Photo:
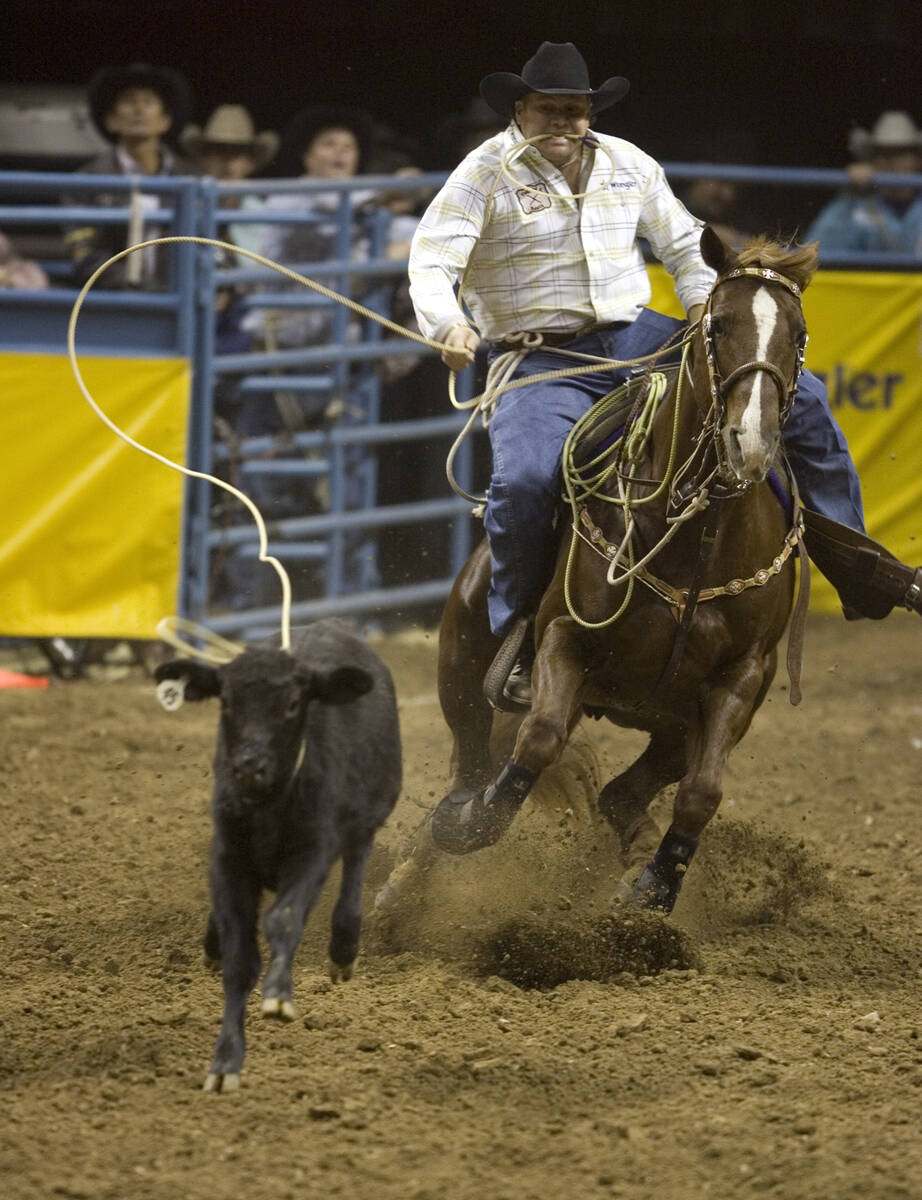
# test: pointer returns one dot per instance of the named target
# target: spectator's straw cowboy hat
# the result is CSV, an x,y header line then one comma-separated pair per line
x,y
230,127
557,68
891,131
107,85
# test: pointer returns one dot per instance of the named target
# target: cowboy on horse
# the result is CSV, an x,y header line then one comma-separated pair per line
x,y
539,227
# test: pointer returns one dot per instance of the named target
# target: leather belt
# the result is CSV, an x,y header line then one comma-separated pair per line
x,y
551,337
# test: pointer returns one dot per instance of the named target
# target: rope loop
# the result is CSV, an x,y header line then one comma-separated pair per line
x,y
264,555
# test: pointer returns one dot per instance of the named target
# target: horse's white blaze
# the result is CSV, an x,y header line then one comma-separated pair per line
x,y
765,312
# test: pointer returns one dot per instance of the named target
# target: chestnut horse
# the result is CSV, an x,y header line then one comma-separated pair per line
x,y
673,628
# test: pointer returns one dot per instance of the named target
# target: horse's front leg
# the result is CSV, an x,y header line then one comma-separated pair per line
x,y
470,819
726,711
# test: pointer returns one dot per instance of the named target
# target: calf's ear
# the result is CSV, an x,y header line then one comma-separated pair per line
x,y
201,680
342,685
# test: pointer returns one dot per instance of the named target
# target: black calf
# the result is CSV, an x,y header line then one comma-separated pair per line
x,y
306,769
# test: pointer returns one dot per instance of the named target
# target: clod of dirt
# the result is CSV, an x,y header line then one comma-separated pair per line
x,y
543,955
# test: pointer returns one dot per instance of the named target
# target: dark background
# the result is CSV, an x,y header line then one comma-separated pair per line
x,y
772,83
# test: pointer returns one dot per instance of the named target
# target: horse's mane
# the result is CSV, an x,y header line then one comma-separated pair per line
x,y
797,262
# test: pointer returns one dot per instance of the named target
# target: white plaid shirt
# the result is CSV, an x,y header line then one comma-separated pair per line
x,y
548,261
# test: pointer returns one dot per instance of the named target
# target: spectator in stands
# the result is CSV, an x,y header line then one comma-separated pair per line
x,y
229,150
322,141
463,132
868,218
393,153
727,205
332,142
18,272
717,201
136,108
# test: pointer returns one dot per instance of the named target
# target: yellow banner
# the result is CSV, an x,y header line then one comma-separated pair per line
x,y
92,528
866,344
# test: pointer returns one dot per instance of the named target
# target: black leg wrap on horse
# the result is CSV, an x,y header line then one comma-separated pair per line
x,y
869,579
467,819
661,880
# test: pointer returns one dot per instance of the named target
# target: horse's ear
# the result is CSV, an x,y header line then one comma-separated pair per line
x,y
715,253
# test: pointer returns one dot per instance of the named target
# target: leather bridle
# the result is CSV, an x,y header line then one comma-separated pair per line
x,y
719,386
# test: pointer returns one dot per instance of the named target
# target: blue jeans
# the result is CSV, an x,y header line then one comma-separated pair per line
x,y
530,426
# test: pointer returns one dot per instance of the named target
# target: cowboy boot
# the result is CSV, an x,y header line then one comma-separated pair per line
x,y
507,683
517,688
870,580
913,598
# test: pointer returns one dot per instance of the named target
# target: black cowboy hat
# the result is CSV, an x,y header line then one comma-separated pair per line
x,y
106,86
557,68
306,124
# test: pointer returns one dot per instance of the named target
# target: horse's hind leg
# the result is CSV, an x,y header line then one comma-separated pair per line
x,y
624,800
466,649
725,714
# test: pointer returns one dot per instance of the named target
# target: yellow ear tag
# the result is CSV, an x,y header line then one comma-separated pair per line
x,y
171,693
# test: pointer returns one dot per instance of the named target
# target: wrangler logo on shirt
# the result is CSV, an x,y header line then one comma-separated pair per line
x,y
529,201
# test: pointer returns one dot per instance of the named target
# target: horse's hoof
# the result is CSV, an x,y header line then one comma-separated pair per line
x,y
461,823
653,892
467,820
624,889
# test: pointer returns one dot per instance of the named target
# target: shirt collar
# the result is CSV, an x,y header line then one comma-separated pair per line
x,y
131,167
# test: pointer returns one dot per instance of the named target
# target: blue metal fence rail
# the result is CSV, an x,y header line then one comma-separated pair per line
x,y
341,452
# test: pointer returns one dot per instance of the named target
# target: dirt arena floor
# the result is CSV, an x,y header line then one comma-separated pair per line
x,y
506,1036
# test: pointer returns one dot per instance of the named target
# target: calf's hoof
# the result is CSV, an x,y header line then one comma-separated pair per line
x,y
217,1082
341,972
275,1006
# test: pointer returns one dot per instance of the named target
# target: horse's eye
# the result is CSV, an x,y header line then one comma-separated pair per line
x,y
718,326
294,706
